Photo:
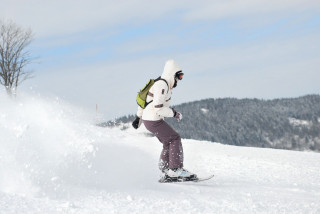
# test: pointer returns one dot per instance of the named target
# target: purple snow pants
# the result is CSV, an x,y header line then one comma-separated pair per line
x,y
172,152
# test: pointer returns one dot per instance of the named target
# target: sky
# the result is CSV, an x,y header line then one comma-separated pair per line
x,y
101,52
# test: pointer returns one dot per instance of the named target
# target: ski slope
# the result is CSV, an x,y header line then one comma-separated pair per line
x,y
54,160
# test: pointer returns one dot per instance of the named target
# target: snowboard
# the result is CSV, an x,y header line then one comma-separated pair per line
x,y
167,179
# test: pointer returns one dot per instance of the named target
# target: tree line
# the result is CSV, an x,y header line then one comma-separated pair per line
x,y
292,123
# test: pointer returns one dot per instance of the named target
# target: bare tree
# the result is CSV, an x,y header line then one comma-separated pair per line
x,y
13,55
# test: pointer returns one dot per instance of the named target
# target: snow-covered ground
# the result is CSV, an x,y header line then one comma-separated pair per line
x,y
54,160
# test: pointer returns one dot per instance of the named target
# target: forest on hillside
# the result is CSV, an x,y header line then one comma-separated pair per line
x,y
291,123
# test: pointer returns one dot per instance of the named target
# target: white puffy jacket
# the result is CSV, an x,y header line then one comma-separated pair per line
x,y
159,108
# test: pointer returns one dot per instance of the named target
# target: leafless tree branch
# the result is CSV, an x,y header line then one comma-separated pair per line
x,y
14,56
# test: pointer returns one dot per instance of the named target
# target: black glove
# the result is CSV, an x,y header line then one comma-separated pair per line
x,y
136,123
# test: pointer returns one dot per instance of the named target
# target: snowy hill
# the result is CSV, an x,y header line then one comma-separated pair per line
x,y
53,160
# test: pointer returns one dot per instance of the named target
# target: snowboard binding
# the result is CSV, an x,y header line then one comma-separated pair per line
x,y
168,179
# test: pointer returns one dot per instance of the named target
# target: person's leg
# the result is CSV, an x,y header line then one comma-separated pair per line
x,y
172,153
175,152
164,158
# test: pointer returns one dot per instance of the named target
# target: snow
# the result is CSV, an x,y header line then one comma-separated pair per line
x,y
204,110
296,122
53,159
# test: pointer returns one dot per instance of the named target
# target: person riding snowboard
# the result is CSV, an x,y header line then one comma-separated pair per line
x,y
158,99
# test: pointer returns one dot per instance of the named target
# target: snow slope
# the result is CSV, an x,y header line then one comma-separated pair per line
x,y
54,160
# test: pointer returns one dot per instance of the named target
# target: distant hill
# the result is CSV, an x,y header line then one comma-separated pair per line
x,y
291,123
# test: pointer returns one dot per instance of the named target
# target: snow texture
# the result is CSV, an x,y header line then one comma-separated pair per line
x,y
53,159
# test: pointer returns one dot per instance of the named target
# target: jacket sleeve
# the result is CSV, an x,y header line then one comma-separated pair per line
x,y
160,91
139,112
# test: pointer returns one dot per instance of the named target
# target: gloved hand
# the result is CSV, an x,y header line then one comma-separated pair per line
x,y
136,123
177,115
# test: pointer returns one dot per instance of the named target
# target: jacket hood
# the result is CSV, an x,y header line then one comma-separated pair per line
x,y
169,71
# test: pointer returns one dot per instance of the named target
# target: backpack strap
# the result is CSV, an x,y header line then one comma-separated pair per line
x,y
151,95
159,78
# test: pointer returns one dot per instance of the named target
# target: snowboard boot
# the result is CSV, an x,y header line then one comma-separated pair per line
x,y
178,175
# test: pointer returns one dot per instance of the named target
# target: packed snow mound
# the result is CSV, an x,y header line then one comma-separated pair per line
x,y
54,159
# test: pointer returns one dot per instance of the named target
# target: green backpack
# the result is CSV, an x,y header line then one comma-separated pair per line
x,y
142,95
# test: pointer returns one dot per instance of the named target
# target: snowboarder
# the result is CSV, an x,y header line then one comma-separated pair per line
x,y
152,116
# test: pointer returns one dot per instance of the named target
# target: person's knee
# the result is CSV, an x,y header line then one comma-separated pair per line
x,y
176,138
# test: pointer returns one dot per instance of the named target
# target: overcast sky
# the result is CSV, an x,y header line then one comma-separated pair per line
x,y
102,52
